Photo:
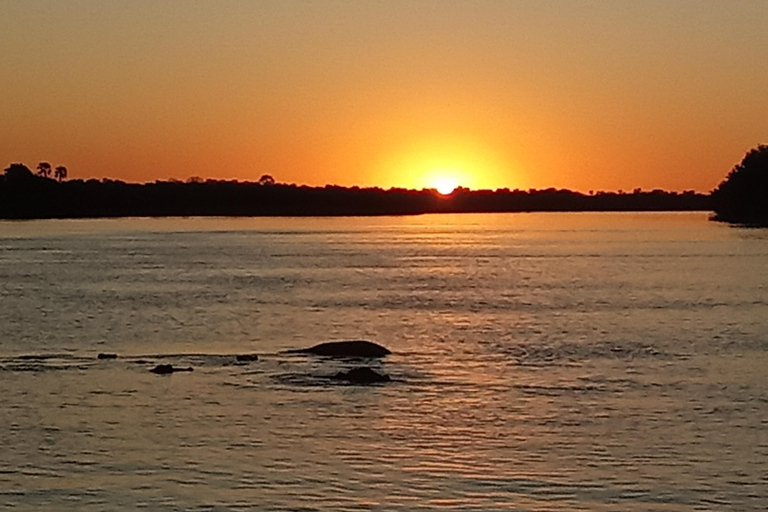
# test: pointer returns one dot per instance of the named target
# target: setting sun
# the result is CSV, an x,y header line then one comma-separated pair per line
x,y
442,161
445,185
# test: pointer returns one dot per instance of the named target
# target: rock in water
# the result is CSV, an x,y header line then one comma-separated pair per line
x,y
164,369
106,356
247,358
362,375
357,348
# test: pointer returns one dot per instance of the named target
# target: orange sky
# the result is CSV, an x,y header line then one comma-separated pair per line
x,y
586,95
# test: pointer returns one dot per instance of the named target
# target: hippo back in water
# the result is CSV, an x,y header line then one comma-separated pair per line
x,y
363,375
356,348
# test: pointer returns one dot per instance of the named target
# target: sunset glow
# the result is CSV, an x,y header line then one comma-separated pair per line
x,y
423,160
609,96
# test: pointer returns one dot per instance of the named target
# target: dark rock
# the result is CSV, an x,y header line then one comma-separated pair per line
x,y
164,369
247,357
358,348
106,356
363,375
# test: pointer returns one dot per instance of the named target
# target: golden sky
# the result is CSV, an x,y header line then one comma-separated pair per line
x,y
586,95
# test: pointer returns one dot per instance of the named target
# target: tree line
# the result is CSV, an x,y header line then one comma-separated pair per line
x,y
742,197
25,195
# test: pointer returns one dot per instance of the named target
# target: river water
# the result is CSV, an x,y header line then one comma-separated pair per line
x,y
540,362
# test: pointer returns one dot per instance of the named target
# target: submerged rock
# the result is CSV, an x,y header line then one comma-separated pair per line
x,y
357,348
247,357
164,369
363,375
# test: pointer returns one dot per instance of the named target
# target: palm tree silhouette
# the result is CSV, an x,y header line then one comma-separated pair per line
x,y
60,173
44,169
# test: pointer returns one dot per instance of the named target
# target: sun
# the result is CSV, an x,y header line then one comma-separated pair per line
x,y
445,165
445,185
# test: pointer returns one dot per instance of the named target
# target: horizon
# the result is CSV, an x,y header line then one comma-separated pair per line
x,y
199,180
484,95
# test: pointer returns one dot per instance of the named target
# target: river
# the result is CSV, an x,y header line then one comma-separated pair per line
x,y
552,361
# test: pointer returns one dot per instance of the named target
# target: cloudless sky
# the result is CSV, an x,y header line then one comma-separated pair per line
x,y
586,95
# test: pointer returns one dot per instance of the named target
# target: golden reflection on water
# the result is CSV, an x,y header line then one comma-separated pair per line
x,y
541,362
534,224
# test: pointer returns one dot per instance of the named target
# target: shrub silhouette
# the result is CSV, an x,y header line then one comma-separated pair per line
x,y
743,196
266,180
18,173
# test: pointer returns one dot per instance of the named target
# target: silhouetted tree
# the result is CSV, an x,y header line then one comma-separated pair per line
x,y
267,180
44,169
17,173
743,196
60,173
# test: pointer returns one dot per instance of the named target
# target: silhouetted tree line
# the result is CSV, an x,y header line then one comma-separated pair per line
x,y
743,196
24,195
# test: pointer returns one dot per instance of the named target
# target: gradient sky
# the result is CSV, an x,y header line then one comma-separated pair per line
x,y
586,95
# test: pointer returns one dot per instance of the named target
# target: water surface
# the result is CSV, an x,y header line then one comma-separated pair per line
x,y
541,362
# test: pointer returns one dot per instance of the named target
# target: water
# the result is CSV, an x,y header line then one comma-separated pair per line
x,y
541,362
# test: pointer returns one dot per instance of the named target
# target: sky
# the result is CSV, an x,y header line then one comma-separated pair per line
x,y
584,95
